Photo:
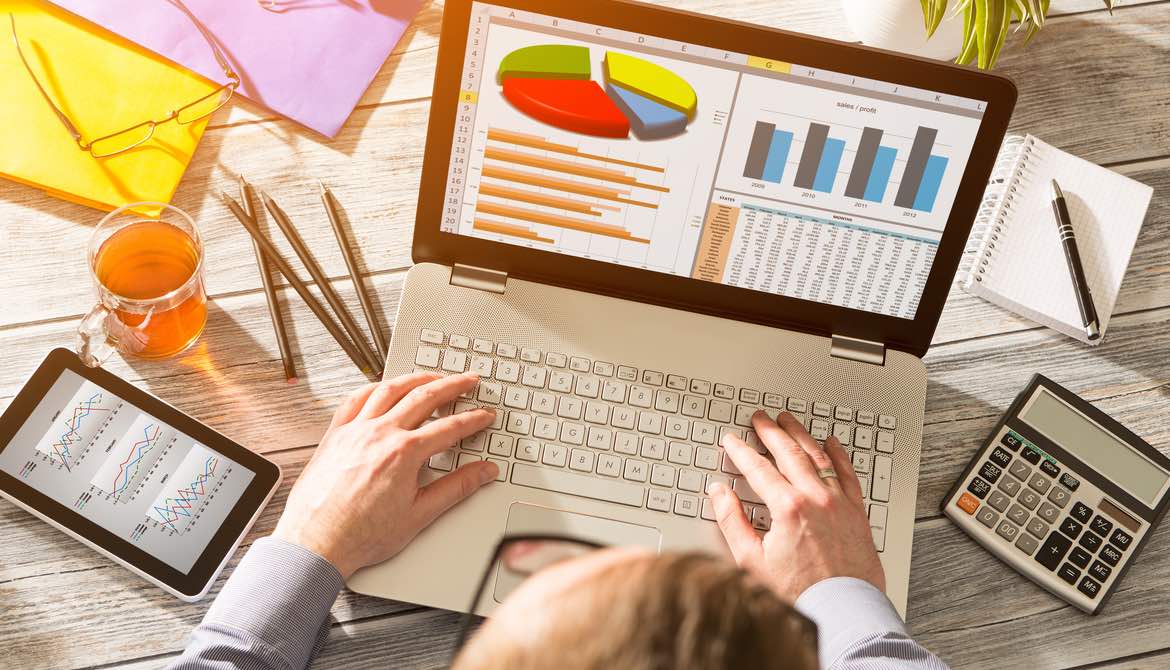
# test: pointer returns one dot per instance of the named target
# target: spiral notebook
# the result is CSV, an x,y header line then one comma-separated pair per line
x,y
1014,258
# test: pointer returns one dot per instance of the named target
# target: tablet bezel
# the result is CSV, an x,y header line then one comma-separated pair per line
x,y
911,335
188,585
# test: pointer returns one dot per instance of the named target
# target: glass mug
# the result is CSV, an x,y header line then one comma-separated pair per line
x,y
148,275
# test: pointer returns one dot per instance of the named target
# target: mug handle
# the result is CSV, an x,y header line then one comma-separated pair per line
x,y
101,333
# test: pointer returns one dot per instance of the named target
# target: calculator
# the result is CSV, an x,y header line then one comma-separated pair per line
x,y
1062,493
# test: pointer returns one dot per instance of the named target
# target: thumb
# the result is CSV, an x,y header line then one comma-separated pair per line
x,y
737,530
444,493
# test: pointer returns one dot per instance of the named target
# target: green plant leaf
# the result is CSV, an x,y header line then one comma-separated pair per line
x,y
969,51
1036,13
1000,31
933,12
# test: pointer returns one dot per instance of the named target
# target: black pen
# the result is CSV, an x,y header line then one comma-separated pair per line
x,y
1081,285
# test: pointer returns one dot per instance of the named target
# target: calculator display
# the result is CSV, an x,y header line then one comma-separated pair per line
x,y
1095,446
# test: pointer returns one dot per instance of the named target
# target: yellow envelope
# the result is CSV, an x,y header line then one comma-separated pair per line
x,y
104,84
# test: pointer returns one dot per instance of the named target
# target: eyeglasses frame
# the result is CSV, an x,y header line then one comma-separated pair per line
x,y
231,86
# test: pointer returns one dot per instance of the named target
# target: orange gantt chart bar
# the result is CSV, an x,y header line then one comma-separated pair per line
x,y
558,221
605,174
508,229
534,142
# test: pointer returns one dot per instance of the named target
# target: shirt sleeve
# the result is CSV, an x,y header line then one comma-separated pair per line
x,y
271,614
859,629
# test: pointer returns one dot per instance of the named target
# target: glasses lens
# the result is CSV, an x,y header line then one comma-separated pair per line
x,y
121,141
205,106
520,559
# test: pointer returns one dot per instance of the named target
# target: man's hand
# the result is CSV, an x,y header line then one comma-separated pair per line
x,y
358,501
819,527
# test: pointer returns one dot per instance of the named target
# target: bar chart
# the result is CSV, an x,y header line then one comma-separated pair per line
x,y
819,167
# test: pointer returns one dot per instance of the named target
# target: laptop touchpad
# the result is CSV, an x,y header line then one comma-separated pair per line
x,y
525,519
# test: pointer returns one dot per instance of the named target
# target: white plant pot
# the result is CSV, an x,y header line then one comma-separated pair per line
x,y
898,25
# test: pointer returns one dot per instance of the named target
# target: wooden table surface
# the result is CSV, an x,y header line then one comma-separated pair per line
x,y
1090,83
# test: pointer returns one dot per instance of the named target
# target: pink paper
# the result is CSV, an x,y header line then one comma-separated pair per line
x,y
310,62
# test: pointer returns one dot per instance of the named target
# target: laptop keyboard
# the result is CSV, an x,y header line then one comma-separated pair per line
x,y
642,438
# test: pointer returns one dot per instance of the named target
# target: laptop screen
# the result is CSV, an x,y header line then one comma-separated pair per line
x,y
723,167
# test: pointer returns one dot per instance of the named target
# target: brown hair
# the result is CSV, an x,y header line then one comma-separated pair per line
x,y
668,612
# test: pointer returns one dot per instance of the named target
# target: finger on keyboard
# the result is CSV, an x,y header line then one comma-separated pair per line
x,y
759,472
388,393
422,400
442,433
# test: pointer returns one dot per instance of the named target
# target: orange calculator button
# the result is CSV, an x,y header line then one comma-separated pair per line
x,y
968,503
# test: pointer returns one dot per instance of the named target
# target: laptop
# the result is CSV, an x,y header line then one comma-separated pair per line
x,y
641,225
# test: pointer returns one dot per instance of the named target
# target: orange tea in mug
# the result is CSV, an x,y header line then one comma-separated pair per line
x,y
148,274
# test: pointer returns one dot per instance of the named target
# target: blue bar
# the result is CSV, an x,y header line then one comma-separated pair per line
x,y
777,156
931,180
879,175
827,169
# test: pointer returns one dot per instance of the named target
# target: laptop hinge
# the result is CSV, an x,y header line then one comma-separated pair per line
x,y
862,351
483,279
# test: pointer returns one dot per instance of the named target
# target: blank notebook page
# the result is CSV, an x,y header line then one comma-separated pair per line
x,y
1028,271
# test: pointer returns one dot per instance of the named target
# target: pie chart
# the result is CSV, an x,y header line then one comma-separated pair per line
x,y
553,84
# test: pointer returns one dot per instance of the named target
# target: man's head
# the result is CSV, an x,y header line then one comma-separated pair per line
x,y
629,609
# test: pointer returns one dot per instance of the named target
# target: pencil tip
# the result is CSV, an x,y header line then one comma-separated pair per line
x,y
324,188
292,380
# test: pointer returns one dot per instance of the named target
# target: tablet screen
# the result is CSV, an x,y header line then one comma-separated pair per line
x,y
126,471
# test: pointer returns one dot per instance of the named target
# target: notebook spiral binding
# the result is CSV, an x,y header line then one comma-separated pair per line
x,y
1007,177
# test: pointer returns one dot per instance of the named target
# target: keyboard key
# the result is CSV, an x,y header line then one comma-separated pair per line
x,y
862,461
588,386
564,481
596,412
573,433
481,366
844,433
703,433
694,407
728,466
519,423
1110,554
819,429
666,401
609,465
482,346
725,391
569,407
686,505
636,470
625,443
654,448
427,357
1082,513
887,422
476,442
1053,550
720,412
797,405
504,350
555,455
658,500
528,450
613,391
578,364
627,373
545,428
459,342
745,491
843,414
599,438
822,409
878,515
690,480
680,453
516,397
508,371
652,378
774,401
1089,587
603,369
990,471
1121,539
863,438
705,458
650,422
662,475
430,336
534,377
700,386
762,519
501,469
444,459
556,360
676,382
743,415
623,417
1079,557
561,382
465,458
866,418
885,442
1027,544
882,472
543,403
1069,573
498,445
582,460
642,397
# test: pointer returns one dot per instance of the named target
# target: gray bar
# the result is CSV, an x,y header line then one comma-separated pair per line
x,y
810,158
915,166
758,153
863,164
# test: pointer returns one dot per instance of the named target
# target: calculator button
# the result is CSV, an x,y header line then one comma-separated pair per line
x,y
1101,525
1049,512
1053,550
1027,544
1069,574
1021,470
1018,514
1110,554
979,488
1001,457
1071,527
1007,531
1090,541
1121,539
1039,482
1049,468
1037,528
1059,496
1079,557
987,516
1010,485
1069,482
1010,441
1081,512
1029,498
968,503
1100,571
1089,587
998,500
1031,455
990,471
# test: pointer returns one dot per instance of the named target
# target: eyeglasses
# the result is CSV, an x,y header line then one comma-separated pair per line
x,y
519,557
132,136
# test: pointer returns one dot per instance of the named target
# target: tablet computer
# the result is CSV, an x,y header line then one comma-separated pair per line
x,y
129,475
